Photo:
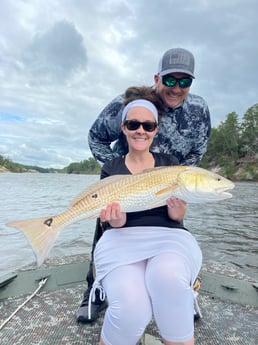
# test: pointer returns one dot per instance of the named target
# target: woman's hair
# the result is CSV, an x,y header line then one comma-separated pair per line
x,y
143,92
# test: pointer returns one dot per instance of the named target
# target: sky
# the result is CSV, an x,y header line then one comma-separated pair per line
x,y
63,61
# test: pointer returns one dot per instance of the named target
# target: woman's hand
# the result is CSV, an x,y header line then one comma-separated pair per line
x,y
176,209
113,215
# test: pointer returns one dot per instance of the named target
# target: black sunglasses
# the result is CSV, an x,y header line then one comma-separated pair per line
x,y
170,81
148,126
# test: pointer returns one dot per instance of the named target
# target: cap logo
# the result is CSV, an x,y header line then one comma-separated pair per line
x,y
181,59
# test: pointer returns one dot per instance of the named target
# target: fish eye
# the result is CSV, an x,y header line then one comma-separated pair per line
x,y
94,196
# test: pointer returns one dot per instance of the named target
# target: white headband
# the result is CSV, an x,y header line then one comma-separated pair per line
x,y
140,103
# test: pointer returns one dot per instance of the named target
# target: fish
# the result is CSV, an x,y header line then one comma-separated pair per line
x,y
143,191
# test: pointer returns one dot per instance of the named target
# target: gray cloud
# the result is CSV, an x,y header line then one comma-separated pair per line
x,y
56,54
62,61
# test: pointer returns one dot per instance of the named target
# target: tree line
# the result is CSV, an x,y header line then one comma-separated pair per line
x,y
88,166
232,146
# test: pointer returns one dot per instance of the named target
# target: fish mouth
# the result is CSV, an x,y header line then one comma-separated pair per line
x,y
225,191
227,194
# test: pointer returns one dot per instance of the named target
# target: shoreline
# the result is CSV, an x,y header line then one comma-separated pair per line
x,y
3,170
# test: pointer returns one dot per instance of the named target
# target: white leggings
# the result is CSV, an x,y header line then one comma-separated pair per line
x,y
159,287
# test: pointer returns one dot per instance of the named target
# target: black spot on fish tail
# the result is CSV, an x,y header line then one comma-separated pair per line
x,y
48,222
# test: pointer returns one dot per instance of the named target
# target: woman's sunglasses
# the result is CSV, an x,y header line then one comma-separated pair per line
x,y
170,81
148,126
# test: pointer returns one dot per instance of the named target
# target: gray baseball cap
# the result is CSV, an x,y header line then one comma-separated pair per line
x,y
177,60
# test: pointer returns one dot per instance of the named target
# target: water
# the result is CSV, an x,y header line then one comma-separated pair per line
x,y
226,231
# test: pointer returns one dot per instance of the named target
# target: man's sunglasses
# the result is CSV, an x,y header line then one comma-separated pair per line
x,y
170,81
148,126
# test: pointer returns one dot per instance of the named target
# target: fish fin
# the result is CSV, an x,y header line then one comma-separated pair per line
x,y
167,190
94,216
96,186
162,195
177,168
153,169
40,234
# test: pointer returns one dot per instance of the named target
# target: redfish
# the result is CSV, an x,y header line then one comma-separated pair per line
x,y
138,192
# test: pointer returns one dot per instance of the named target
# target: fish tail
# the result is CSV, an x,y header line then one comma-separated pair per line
x,y
40,233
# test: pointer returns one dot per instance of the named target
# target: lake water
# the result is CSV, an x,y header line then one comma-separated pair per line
x,y
227,231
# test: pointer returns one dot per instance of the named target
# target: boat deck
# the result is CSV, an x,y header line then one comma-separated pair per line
x,y
49,317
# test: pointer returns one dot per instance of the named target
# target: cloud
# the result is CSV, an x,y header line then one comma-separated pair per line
x,y
63,61
55,55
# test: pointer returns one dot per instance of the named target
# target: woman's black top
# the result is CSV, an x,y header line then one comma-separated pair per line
x,y
154,217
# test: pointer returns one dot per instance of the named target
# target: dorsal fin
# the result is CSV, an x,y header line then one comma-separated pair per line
x,y
153,169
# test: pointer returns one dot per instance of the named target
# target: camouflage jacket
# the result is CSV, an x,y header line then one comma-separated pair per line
x,y
183,131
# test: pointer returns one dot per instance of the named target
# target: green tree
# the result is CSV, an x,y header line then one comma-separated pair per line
x,y
89,166
93,165
73,168
223,145
211,155
249,137
230,134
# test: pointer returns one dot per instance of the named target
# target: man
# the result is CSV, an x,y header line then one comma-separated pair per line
x,y
184,130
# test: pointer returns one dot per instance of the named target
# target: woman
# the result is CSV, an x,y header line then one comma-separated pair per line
x,y
146,262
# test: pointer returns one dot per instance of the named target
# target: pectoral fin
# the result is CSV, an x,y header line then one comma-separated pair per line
x,y
163,194
167,190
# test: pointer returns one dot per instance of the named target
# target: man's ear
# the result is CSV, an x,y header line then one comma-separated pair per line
x,y
156,78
